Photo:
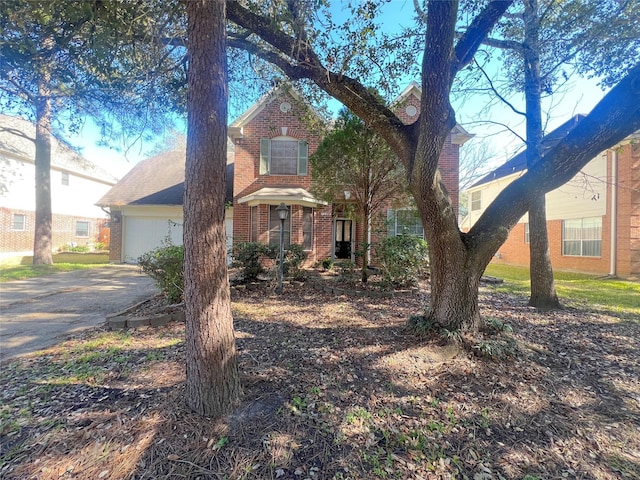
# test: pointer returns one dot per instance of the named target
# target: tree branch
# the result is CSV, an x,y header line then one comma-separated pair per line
x,y
477,32
614,118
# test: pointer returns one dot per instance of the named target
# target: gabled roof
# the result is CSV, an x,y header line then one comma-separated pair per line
x,y
235,128
519,162
157,180
17,137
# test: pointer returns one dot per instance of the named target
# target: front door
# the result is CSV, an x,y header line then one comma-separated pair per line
x,y
343,239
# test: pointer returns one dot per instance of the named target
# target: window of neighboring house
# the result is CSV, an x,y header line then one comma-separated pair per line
x,y
65,178
254,225
307,228
476,200
582,237
284,156
274,227
82,229
19,222
526,233
405,222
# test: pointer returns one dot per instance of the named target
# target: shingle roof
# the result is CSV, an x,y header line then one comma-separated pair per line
x,y
157,180
519,162
17,137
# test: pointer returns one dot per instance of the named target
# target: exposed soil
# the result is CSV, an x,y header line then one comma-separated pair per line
x,y
336,387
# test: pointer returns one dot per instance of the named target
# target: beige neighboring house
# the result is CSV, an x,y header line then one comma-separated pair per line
x,y
76,185
593,220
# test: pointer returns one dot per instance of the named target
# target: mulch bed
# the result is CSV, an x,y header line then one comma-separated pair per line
x,y
335,387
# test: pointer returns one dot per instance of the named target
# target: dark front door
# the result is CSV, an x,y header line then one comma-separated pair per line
x,y
343,239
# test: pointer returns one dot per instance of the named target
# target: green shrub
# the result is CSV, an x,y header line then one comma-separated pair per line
x,y
326,264
249,257
294,257
403,260
76,248
165,265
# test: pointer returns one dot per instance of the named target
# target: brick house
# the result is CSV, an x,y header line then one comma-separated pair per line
x,y
593,220
269,148
76,184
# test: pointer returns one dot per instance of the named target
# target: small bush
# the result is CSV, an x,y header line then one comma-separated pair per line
x,y
249,257
76,248
403,260
165,265
326,264
294,257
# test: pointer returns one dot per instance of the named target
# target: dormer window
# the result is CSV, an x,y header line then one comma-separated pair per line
x,y
284,156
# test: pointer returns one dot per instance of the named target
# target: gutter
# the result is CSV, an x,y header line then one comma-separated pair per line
x,y
614,214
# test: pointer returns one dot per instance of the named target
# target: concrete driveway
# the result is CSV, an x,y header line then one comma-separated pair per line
x,y
40,312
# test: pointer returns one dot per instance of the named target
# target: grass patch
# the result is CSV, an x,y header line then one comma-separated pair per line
x,y
21,268
617,295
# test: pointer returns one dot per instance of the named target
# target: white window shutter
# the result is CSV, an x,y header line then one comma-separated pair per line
x,y
265,146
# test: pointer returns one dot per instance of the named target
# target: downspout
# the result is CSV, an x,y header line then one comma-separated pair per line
x,y
614,214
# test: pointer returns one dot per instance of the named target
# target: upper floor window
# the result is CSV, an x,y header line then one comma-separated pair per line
x,y
284,156
582,237
65,178
19,222
405,222
82,229
476,200
526,233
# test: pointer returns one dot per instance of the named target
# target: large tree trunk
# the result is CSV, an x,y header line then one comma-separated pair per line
x,y
42,241
213,386
543,293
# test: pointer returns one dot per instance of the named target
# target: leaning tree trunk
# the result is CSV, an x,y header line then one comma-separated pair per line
x,y
213,386
543,293
43,231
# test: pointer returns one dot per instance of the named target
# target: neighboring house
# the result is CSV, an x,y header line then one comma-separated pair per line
x,y
76,184
593,220
270,148
146,206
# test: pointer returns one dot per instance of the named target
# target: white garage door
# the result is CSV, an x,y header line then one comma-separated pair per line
x,y
142,234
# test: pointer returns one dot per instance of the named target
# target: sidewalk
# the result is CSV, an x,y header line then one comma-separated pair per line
x,y
39,312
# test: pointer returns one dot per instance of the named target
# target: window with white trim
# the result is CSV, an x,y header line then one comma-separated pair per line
x,y
582,237
19,222
284,156
82,229
526,233
307,228
404,222
274,227
254,225
476,200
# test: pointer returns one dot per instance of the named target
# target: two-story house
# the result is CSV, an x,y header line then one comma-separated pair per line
x,y
593,221
269,149
76,185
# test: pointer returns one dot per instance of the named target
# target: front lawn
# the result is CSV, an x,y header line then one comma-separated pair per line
x,y
576,288
20,268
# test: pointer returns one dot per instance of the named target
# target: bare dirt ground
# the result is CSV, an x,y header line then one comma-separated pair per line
x,y
335,388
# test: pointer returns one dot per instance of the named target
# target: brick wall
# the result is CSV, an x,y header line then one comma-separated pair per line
x,y
115,250
63,227
272,122
269,123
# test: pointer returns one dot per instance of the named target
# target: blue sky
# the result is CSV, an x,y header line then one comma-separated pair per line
x,y
580,96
